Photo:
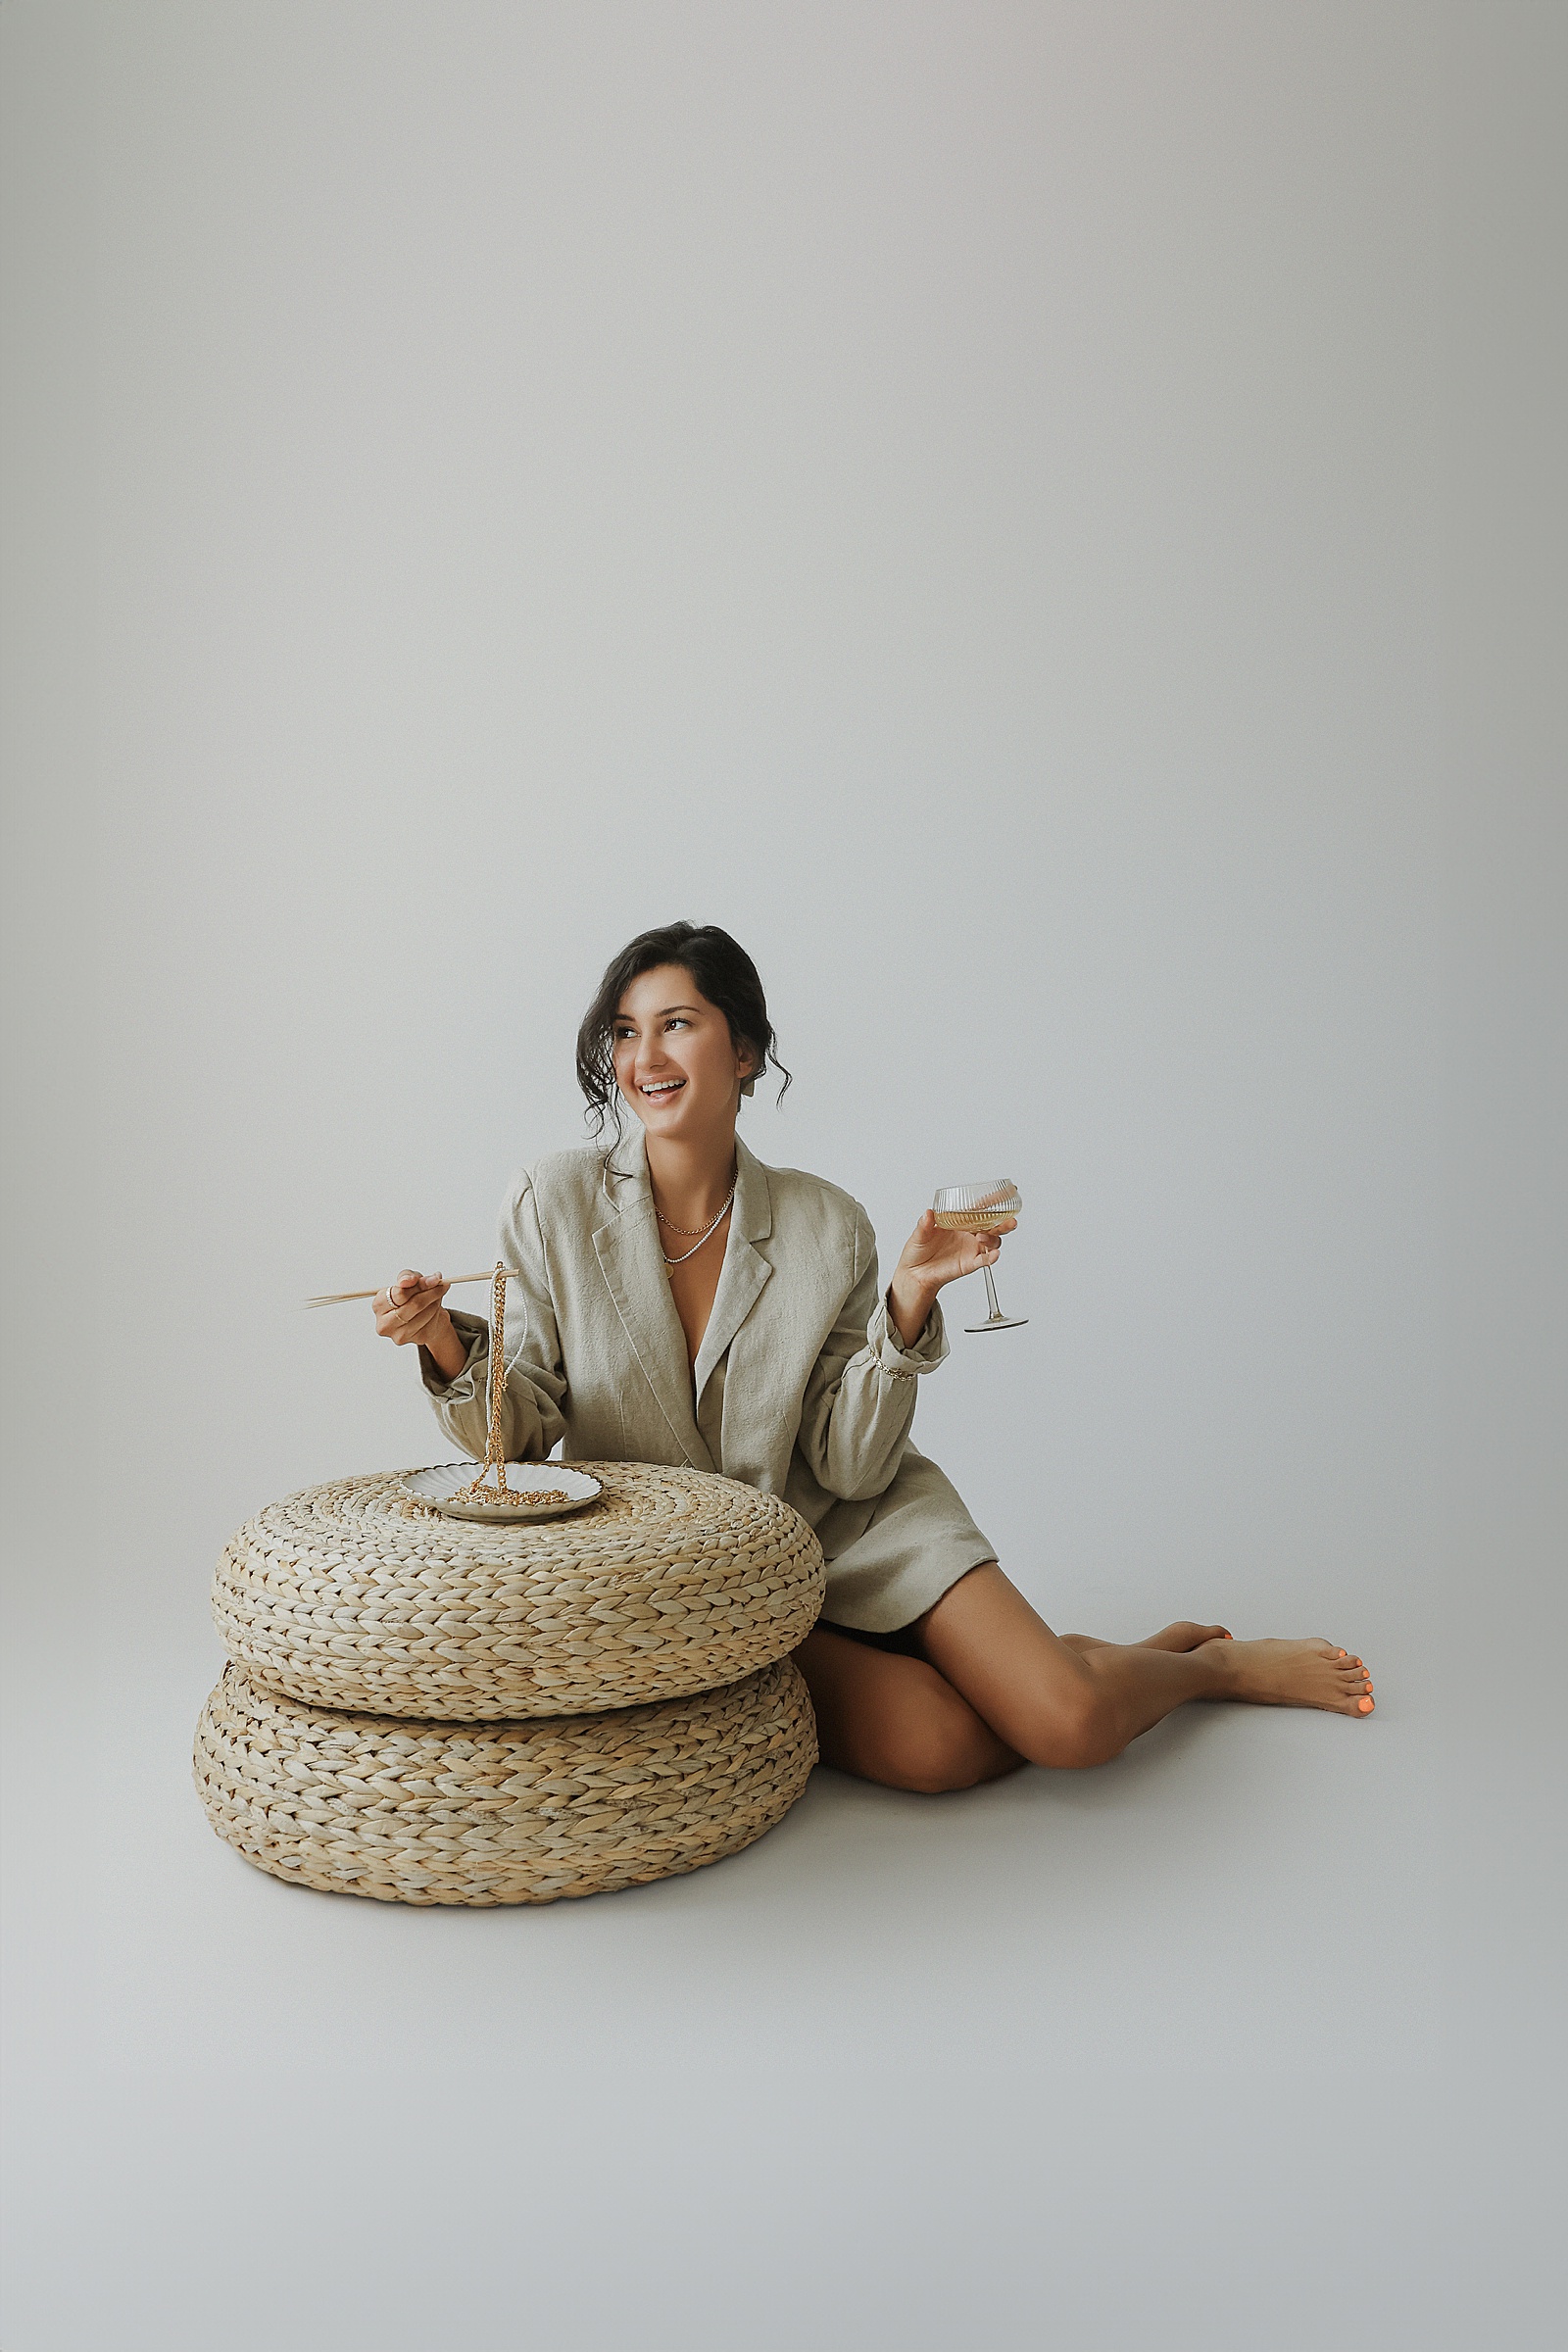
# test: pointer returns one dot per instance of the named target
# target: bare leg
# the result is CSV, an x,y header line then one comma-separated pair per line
x,y
1057,1703
1000,1687
1183,1634
895,1719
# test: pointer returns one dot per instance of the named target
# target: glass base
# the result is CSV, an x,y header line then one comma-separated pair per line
x,y
1000,1323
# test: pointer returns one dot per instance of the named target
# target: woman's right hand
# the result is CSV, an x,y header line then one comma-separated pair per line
x,y
412,1312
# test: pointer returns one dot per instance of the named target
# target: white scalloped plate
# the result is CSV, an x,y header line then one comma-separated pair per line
x,y
440,1487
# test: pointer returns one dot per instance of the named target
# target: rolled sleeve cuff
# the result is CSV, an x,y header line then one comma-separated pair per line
x,y
905,1363
465,1388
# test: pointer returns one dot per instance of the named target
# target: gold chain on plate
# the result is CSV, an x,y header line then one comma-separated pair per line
x,y
494,1456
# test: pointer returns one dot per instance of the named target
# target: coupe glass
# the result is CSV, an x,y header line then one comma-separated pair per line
x,y
979,1209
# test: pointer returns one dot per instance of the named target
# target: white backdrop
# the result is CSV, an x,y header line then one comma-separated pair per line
x,y
1038,518
950,497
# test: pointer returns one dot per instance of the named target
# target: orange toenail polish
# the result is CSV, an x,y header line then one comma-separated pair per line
x,y
1366,1705
1342,1653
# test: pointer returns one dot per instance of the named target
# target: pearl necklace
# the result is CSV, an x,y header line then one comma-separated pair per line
x,y
684,1229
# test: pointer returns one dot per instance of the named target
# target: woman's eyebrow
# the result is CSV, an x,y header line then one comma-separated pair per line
x,y
658,1016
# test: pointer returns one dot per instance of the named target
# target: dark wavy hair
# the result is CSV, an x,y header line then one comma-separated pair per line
x,y
723,972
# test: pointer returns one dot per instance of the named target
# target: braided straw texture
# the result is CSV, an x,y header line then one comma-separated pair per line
x,y
352,1595
504,1813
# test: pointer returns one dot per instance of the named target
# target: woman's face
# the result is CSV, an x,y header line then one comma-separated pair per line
x,y
676,1063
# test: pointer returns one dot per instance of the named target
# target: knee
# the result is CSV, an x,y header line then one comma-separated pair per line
x,y
1078,1729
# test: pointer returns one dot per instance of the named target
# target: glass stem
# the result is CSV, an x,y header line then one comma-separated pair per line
x,y
991,1296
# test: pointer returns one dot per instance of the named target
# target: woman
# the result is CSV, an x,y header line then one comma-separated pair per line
x,y
687,1304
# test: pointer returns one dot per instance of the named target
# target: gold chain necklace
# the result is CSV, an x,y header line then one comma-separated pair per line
x,y
689,1230
685,1229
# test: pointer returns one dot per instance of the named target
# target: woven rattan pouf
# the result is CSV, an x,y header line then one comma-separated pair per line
x,y
521,1812
434,1710
352,1595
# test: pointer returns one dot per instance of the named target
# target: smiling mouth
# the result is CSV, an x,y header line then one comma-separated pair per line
x,y
665,1086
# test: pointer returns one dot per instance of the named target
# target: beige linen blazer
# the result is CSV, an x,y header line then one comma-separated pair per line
x,y
802,1386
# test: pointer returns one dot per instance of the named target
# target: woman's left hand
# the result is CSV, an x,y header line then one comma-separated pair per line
x,y
933,1256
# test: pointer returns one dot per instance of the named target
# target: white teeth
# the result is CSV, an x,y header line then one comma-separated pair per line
x,y
670,1086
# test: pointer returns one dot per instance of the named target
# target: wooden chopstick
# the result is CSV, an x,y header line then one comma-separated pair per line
x,y
342,1298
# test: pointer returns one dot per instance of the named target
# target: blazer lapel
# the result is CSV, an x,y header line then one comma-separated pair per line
x,y
745,1269
633,1267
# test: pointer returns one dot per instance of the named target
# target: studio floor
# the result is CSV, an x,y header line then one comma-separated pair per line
x,y
1243,2041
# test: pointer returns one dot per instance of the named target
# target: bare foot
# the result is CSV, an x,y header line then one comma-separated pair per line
x,y
1294,1674
1184,1635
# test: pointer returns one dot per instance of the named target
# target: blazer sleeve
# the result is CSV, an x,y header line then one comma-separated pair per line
x,y
860,1397
531,1416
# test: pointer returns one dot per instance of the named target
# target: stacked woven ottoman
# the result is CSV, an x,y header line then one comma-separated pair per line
x,y
429,1710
